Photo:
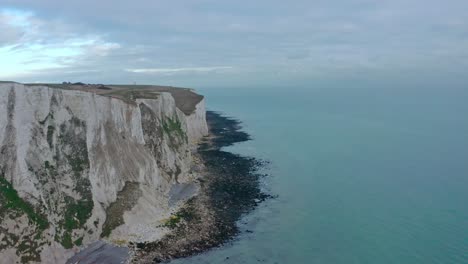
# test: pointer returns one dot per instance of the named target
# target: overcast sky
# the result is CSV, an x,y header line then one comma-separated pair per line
x,y
208,42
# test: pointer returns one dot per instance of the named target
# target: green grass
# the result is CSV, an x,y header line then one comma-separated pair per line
x,y
10,202
79,241
106,230
173,126
67,240
77,213
14,202
175,219
75,216
172,221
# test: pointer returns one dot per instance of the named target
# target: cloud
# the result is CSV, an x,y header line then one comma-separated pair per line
x,y
176,70
10,31
29,44
146,40
103,49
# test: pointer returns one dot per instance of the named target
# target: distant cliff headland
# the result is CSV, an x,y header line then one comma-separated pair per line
x,y
116,173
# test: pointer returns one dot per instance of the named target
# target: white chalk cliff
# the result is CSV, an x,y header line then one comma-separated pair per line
x,y
77,166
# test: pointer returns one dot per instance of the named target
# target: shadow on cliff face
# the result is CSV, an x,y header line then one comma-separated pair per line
x,y
230,188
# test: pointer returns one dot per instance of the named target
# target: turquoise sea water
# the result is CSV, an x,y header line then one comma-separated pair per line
x,y
363,175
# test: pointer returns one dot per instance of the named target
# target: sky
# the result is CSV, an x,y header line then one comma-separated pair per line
x,y
197,43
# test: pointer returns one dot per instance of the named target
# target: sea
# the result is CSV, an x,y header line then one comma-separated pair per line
x,y
361,173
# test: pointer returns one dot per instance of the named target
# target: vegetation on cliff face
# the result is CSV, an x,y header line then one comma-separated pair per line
x,y
10,200
72,146
75,217
156,130
12,205
70,159
173,128
126,199
152,131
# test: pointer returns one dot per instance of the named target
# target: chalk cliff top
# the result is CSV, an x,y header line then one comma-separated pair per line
x,y
186,99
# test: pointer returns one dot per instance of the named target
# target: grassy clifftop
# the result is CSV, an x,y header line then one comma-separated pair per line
x,y
186,99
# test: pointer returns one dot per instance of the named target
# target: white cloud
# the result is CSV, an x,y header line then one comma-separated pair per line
x,y
11,32
176,70
150,40
103,49
31,44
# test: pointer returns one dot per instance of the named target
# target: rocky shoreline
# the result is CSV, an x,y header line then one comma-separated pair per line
x,y
230,187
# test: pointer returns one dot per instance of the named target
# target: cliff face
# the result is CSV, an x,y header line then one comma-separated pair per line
x,y
77,166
